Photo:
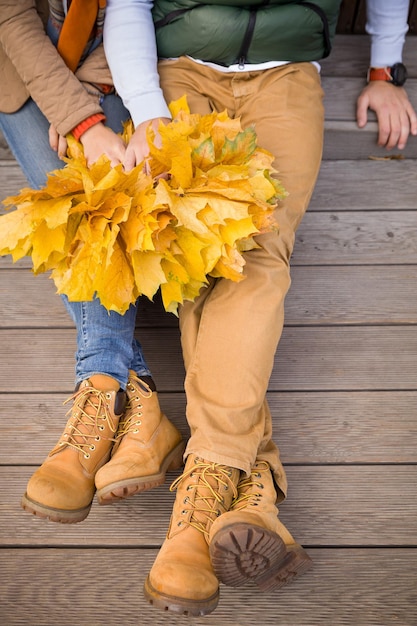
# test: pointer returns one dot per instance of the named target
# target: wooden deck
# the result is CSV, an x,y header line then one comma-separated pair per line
x,y
343,395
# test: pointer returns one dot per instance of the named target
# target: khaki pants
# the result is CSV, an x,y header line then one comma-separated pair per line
x,y
230,333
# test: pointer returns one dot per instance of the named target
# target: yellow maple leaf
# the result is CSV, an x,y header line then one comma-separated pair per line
x,y
148,272
115,235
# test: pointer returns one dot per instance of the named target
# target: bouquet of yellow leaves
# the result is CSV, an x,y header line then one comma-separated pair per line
x,y
115,235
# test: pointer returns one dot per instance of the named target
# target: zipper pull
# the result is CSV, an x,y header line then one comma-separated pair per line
x,y
242,63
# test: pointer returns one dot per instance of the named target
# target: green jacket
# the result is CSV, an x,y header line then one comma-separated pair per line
x,y
245,31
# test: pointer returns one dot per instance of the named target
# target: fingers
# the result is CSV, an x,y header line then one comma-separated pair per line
x,y
394,128
62,147
130,159
99,140
362,110
395,114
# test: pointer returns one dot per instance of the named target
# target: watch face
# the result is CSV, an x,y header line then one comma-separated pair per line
x,y
398,74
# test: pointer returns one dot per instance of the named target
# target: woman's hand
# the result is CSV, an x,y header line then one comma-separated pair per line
x,y
57,142
99,140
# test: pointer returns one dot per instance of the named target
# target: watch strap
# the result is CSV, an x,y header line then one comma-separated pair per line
x,y
379,73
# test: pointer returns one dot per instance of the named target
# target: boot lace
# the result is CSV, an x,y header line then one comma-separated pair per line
x,y
250,488
89,415
131,421
208,503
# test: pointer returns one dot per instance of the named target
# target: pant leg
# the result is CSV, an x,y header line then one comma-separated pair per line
x,y
105,343
231,332
26,133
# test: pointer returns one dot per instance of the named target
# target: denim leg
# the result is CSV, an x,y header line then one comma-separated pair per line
x,y
26,133
105,341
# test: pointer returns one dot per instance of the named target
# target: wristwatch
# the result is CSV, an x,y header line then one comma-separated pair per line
x,y
396,74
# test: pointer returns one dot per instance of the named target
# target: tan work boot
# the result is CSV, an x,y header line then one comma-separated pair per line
x,y
250,543
62,489
182,578
147,446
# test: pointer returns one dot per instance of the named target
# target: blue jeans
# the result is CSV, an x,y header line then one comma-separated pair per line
x,y
105,340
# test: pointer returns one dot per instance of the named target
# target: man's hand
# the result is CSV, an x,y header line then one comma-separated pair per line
x,y
138,148
395,113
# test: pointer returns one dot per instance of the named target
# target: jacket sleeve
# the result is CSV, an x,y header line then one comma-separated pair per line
x,y
59,94
387,25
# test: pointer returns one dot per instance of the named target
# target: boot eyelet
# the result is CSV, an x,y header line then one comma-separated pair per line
x,y
186,500
138,423
86,455
101,427
97,438
189,487
92,447
108,395
183,512
179,523
135,432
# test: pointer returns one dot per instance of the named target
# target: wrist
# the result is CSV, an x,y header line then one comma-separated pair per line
x,y
396,74
89,122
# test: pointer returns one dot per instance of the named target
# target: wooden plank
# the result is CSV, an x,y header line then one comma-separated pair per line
x,y
346,21
4,149
350,56
318,295
28,300
360,18
353,587
341,93
309,427
356,238
344,140
360,358
344,184
348,185
412,18
11,179
314,359
352,295
333,505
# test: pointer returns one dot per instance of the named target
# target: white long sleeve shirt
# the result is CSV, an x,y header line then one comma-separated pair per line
x,y
129,42
387,26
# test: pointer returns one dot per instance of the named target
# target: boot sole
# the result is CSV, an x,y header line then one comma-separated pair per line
x,y
181,606
122,489
245,552
54,515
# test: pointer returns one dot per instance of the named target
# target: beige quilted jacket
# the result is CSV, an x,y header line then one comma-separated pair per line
x,y
30,66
